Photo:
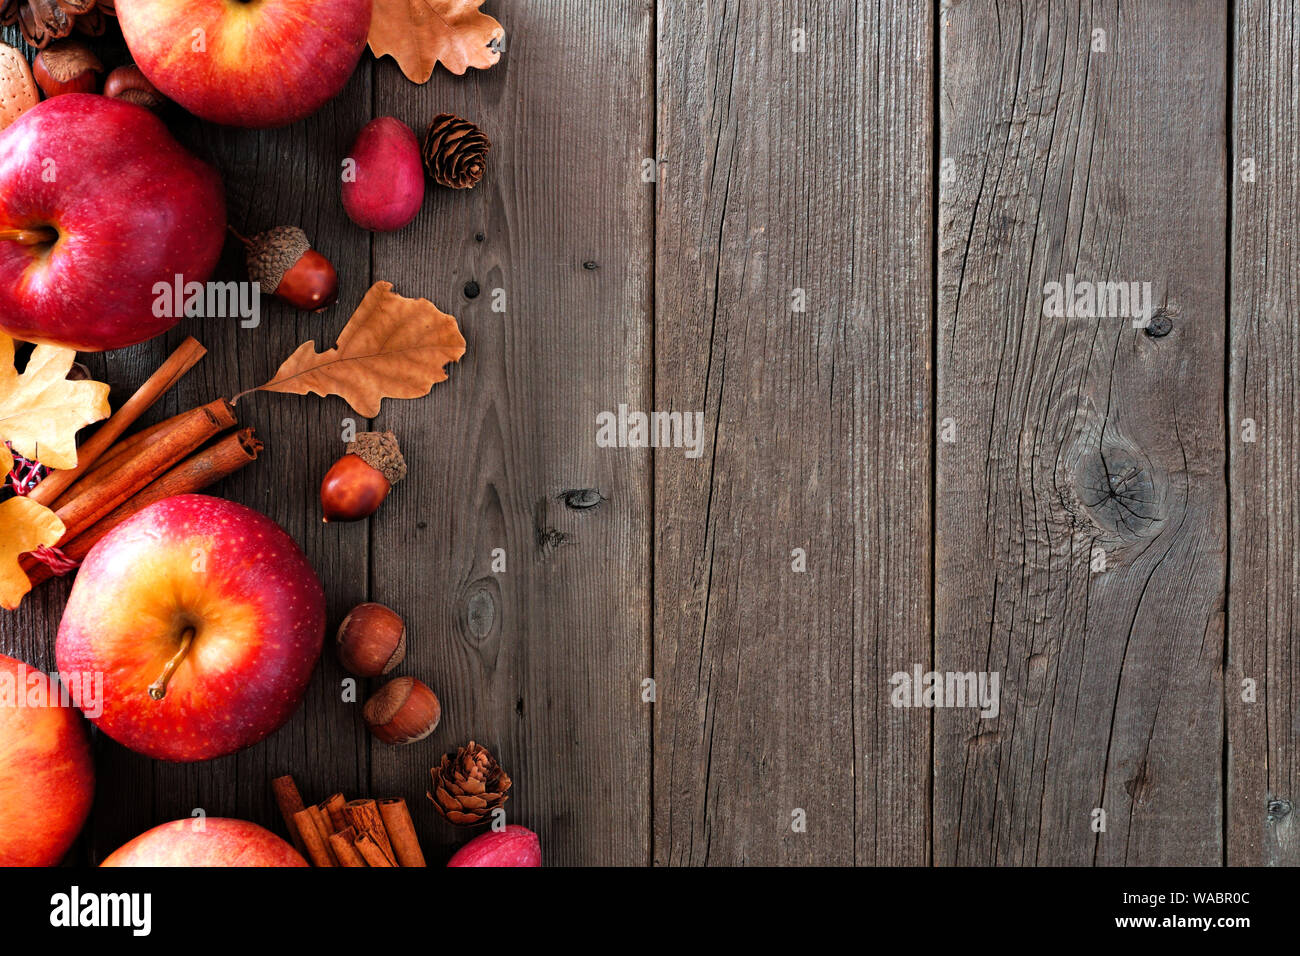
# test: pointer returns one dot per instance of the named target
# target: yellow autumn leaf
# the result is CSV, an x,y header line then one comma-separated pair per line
x,y
40,410
24,526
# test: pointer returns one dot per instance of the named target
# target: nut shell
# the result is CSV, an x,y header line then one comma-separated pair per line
x,y
67,66
129,84
372,640
352,490
402,711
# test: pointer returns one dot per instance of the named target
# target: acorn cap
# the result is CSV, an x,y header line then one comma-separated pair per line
x,y
273,253
379,450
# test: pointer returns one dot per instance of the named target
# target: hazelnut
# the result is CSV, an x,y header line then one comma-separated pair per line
x,y
402,711
67,66
372,640
129,84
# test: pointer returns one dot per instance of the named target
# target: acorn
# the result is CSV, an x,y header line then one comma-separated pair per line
x,y
282,260
358,483
127,83
371,640
67,66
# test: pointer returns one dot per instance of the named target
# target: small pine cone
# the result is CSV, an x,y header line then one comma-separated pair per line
x,y
93,23
468,786
455,152
42,21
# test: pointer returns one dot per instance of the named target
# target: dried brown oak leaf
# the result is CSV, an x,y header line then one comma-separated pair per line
x,y
24,526
392,347
40,410
419,34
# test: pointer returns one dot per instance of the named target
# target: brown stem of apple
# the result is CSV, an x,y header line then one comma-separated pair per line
x,y
29,237
158,689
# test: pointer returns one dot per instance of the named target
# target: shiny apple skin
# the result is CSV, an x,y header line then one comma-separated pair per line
x,y
256,606
132,207
513,846
267,63
220,841
47,778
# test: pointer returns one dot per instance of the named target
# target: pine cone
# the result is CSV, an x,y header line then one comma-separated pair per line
x,y
41,21
455,152
468,787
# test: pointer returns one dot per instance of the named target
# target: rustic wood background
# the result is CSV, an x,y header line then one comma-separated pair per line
x,y
948,459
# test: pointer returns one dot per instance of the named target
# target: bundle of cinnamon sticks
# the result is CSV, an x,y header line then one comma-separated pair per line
x,y
117,477
342,832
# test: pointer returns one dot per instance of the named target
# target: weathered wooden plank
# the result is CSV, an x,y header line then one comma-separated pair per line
x,y
794,152
541,663
1068,440
1263,773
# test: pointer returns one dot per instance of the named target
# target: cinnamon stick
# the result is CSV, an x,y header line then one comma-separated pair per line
x,y
206,468
317,849
289,800
321,823
344,845
370,850
364,816
170,446
158,384
401,832
333,808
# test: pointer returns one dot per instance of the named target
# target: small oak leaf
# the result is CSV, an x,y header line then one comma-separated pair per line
x,y
40,410
419,34
392,347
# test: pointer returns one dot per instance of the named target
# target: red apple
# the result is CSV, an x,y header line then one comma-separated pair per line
x,y
206,621
47,780
258,64
98,204
513,846
214,841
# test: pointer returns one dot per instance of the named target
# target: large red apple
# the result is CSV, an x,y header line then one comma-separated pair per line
x,y
206,621
215,841
47,780
98,205
258,63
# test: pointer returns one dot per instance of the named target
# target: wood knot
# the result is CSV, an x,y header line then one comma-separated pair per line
x,y
1278,809
1139,786
1116,487
581,499
550,540
479,619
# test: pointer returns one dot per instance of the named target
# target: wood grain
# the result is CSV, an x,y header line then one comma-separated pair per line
x,y
541,663
1076,434
784,170
1263,772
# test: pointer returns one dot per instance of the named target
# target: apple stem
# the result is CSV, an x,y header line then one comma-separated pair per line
x,y
158,689
28,237
246,242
